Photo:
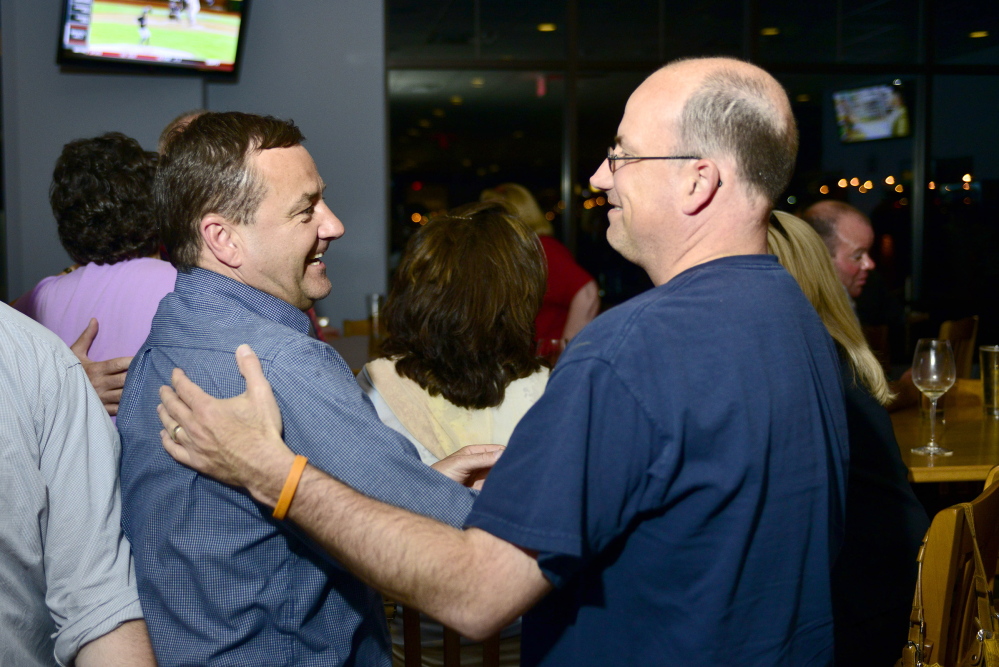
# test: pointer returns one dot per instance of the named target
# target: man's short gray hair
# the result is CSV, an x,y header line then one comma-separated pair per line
x,y
731,113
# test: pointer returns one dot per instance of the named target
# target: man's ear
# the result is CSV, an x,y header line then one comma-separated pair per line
x,y
701,185
221,240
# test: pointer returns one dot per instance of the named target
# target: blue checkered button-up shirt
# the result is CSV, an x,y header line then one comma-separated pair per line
x,y
221,582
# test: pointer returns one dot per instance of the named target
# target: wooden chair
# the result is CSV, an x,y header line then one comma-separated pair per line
x,y
452,644
950,601
356,328
991,478
962,335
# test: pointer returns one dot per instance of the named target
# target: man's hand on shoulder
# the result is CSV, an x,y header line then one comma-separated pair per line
x,y
469,465
237,440
107,377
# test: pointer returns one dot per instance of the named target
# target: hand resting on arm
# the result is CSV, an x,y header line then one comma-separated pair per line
x,y
470,580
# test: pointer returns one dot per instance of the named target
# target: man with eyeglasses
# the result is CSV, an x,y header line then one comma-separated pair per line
x,y
676,496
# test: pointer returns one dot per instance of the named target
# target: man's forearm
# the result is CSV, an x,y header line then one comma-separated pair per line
x,y
125,646
469,580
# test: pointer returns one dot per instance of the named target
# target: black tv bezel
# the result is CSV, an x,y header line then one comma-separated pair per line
x,y
71,62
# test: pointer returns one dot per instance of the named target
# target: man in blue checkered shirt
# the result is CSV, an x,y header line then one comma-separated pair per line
x,y
221,581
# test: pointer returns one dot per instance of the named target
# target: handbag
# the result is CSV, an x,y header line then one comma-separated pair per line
x,y
915,648
984,648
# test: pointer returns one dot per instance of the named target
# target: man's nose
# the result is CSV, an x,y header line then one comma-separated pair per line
x,y
866,263
330,226
602,179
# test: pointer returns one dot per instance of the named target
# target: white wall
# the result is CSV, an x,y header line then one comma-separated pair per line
x,y
320,63
43,109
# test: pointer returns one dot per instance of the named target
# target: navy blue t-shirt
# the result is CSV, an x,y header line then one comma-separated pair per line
x,y
682,479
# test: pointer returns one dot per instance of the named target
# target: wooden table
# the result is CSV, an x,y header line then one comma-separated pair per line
x,y
965,429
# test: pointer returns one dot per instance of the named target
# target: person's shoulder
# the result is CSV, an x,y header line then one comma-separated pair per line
x,y
50,286
725,268
701,294
20,331
738,282
611,329
153,266
292,360
178,323
142,268
533,385
289,346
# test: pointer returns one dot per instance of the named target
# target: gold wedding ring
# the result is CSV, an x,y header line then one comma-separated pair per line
x,y
173,433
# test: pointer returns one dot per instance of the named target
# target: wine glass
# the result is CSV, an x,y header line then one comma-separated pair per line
x,y
933,373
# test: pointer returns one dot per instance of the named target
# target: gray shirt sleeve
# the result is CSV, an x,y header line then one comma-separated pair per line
x,y
63,539
90,577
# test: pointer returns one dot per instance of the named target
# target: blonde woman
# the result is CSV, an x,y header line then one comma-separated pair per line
x,y
875,572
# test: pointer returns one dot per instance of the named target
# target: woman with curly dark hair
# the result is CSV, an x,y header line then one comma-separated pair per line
x,y
101,195
458,365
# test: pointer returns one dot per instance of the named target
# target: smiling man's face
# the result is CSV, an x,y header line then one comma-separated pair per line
x,y
291,230
643,193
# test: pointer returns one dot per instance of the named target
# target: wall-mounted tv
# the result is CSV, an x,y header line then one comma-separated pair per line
x,y
874,112
192,36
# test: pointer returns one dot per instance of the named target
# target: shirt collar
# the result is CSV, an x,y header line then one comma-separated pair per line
x,y
209,283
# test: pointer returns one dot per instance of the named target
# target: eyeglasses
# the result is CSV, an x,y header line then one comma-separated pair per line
x,y
615,162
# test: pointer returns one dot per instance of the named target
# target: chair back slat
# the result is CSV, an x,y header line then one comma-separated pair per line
x,y
356,328
961,334
413,651
452,648
491,652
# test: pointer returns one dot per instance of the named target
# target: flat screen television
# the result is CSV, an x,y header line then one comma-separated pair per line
x,y
874,112
184,36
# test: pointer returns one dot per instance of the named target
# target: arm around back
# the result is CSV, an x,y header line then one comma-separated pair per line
x,y
469,580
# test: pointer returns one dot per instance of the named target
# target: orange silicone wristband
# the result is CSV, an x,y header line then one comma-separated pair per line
x,y
289,488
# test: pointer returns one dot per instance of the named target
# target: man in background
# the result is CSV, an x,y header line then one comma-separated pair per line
x,y
67,588
849,236
175,127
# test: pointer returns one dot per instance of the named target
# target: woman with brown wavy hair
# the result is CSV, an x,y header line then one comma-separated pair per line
x,y
458,364
572,298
